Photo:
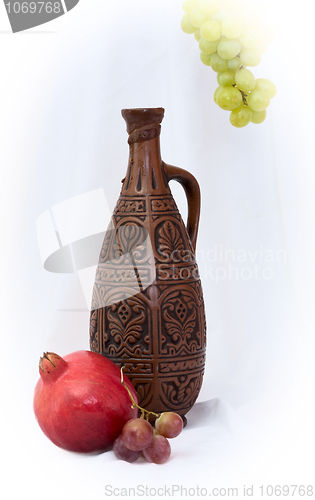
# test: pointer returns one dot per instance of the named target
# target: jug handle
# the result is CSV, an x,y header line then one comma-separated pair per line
x,y
192,191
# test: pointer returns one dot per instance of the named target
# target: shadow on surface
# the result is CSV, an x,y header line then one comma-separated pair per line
x,y
213,411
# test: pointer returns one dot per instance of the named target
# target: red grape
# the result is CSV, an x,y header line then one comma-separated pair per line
x,y
159,450
123,453
137,434
169,424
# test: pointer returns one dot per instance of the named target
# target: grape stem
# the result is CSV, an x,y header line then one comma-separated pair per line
x,y
144,413
244,97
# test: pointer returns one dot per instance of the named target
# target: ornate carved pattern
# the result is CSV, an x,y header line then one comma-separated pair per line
x,y
184,365
198,289
163,204
170,242
144,390
182,391
130,206
135,217
130,236
149,311
106,243
95,301
177,273
127,332
121,241
137,368
125,276
94,334
181,329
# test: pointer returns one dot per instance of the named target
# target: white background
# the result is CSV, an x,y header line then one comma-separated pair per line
x,y
62,87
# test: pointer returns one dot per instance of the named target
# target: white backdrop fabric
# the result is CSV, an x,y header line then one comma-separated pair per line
x,y
63,86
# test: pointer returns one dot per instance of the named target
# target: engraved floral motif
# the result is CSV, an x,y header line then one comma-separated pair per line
x,y
181,326
130,236
144,391
169,240
182,391
126,333
121,241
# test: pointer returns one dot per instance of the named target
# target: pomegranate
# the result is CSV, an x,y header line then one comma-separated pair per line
x,y
79,401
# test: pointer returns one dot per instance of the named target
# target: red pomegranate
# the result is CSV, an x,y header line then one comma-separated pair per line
x,y
79,401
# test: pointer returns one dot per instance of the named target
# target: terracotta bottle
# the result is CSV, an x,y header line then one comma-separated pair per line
x,y
147,307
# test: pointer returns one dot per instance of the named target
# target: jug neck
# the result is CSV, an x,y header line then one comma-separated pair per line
x,y
145,174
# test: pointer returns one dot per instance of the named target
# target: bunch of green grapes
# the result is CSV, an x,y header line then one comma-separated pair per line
x,y
229,42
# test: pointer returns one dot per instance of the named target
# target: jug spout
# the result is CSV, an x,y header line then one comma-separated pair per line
x,y
139,118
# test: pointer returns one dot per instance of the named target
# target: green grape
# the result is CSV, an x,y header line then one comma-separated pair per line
x,y
216,94
266,86
258,100
186,25
209,6
228,49
258,116
189,5
208,47
197,35
220,15
211,30
232,27
245,80
205,58
226,79
249,39
241,116
250,57
229,41
197,17
234,64
262,47
218,64
229,98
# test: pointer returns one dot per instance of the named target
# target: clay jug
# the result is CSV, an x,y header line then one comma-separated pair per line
x,y
147,308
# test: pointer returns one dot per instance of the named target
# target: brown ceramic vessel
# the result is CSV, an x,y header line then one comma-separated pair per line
x,y
147,307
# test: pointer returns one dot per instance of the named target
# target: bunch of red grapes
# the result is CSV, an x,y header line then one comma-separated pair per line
x,y
139,437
